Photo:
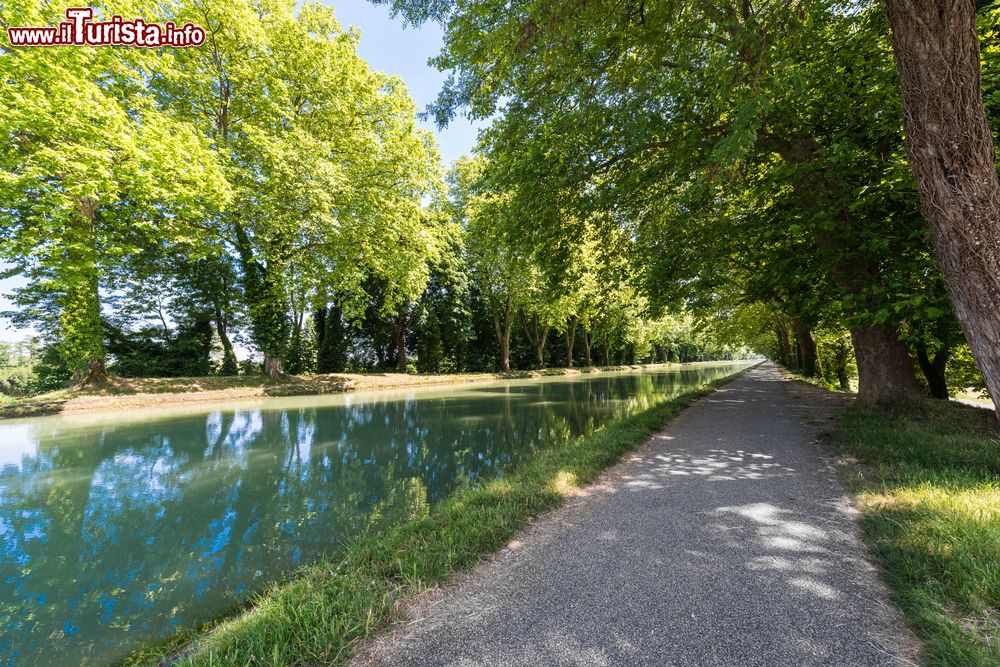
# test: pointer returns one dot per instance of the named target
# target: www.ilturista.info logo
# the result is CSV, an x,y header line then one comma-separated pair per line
x,y
80,30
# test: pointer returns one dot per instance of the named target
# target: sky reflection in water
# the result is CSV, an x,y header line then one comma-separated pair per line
x,y
120,529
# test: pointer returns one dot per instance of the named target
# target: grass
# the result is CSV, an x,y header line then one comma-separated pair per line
x,y
927,484
138,392
327,609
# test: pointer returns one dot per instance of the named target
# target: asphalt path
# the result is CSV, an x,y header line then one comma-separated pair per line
x,y
725,540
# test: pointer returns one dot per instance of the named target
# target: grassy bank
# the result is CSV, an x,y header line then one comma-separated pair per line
x,y
927,484
326,609
121,393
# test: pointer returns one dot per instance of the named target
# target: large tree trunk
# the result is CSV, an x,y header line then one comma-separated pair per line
x,y
809,359
885,370
505,351
96,372
274,366
933,370
952,156
82,330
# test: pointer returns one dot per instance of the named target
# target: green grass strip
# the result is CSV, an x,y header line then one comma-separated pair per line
x,y
327,609
927,484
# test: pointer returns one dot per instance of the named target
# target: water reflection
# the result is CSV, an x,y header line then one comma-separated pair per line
x,y
117,530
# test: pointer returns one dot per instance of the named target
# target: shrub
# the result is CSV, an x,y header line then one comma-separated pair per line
x,y
18,381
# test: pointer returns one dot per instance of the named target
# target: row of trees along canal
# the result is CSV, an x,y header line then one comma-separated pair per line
x,y
269,189
741,166
754,154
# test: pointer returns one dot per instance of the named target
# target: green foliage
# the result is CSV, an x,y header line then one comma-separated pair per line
x,y
301,350
329,172
18,381
52,371
837,358
153,352
91,171
332,341
963,374
430,345
274,147
753,156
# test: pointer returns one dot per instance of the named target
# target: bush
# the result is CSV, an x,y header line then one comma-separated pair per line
x,y
18,381
251,367
52,370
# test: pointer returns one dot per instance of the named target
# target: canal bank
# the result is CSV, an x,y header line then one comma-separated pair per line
x,y
122,529
324,613
136,393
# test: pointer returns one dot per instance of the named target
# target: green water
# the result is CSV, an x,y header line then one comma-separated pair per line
x,y
119,529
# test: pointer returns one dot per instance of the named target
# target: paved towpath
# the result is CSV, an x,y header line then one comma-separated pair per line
x,y
726,540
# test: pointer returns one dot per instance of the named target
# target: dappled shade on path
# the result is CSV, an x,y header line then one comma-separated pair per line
x,y
725,540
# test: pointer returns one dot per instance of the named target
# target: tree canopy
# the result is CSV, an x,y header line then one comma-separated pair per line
x,y
658,181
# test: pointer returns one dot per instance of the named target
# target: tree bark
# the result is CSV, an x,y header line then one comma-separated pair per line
x,y
885,371
569,337
586,349
274,366
540,351
505,351
606,350
951,153
933,370
809,359
502,326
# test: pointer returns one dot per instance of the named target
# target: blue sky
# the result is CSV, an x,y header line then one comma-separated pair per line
x,y
389,47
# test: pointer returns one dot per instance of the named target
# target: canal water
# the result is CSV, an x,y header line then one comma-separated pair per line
x,y
120,528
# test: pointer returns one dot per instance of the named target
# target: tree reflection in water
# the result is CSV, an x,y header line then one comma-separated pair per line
x,y
116,533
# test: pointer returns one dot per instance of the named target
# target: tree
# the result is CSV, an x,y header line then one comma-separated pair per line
x,y
328,166
88,166
951,152
332,339
444,328
632,108
499,268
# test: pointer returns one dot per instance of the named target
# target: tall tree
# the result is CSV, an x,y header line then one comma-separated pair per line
x,y
325,157
88,168
951,150
501,269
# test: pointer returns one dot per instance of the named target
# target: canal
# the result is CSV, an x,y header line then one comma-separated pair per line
x,y
120,528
